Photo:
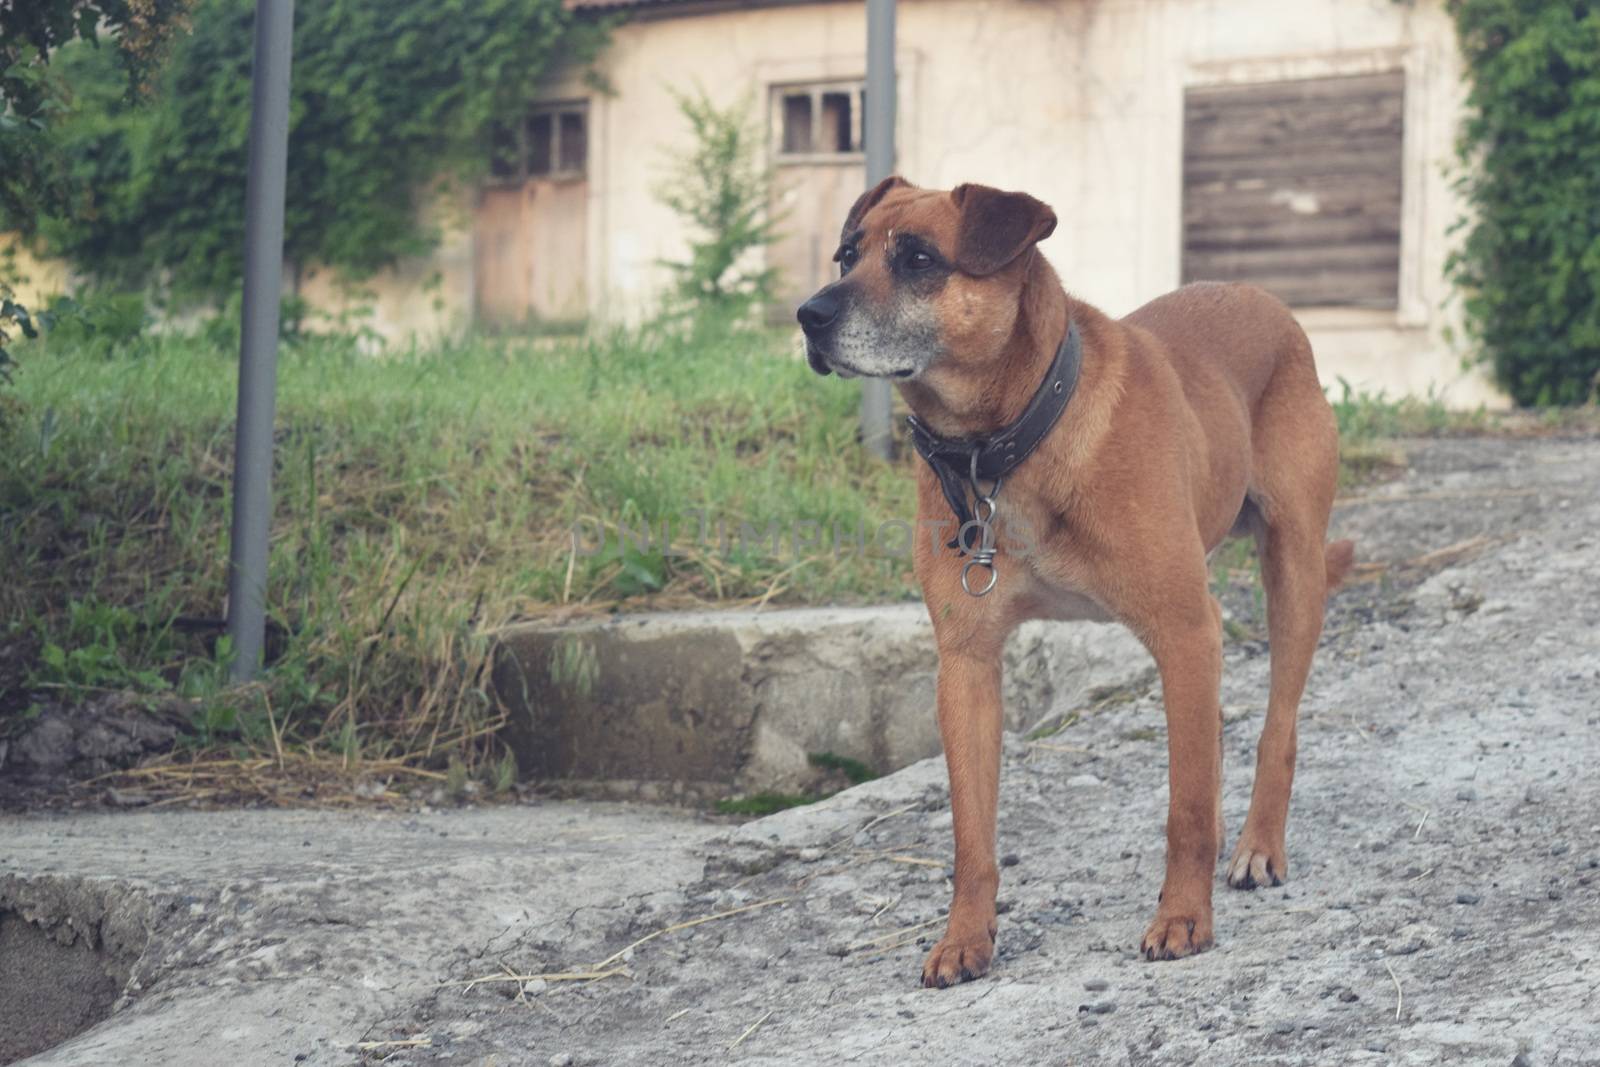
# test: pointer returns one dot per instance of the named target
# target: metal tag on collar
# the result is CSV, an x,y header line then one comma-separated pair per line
x,y
982,556
983,511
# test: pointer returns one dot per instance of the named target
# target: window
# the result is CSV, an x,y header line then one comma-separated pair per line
x,y
541,135
818,123
553,142
1295,186
572,143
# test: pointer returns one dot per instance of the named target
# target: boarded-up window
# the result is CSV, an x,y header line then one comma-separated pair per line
x,y
1295,186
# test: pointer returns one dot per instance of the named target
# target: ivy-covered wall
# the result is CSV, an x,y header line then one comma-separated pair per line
x,y
390,97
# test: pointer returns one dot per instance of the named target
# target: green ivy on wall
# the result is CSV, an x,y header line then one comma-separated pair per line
x,y
389,98
1530,263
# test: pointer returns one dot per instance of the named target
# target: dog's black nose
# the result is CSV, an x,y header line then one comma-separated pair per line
x,y
819,312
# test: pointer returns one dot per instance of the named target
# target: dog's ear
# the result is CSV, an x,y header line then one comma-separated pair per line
x,y
997,227
868,200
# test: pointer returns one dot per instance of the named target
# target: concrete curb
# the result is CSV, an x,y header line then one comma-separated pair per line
x,y
683,705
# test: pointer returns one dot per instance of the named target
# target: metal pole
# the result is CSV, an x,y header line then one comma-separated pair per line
x,y
875,396
258,349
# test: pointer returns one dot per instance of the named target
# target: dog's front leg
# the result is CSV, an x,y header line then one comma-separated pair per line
x,y
1188,651
969,725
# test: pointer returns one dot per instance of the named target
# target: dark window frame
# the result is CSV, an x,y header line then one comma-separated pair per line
x,y
557,164
819,96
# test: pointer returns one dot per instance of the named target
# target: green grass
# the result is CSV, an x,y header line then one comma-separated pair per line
x,y
852,769
758,804
1367,416
422,499
1369,423
839,771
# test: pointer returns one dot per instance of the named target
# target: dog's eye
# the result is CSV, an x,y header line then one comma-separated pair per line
x,y
919,261
847,257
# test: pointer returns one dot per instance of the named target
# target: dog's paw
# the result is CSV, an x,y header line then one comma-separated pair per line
x,y
1255,864
1172,937
957,958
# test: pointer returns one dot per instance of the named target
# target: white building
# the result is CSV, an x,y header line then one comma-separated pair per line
x,y
1307,145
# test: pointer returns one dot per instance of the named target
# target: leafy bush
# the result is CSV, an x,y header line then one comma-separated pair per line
x,y
30,33
720,187
1530,265
30,181
14,320
102,323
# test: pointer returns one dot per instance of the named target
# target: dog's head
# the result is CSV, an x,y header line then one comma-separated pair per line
x,y
926,278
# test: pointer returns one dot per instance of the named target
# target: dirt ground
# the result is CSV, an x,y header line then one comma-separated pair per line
x,y
1444,851
1444,859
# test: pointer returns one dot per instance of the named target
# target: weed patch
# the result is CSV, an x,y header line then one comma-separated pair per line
x,y
423,499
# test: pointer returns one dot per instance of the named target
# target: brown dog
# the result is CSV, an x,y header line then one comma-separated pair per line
x,y
1196,417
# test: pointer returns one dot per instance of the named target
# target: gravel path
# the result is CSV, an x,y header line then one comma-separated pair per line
x,y
1444,851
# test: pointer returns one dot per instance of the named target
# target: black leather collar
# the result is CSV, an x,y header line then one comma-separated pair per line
x,y
963,463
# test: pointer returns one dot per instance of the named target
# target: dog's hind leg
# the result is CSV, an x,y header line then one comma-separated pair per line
x,y
1296,472
1292,570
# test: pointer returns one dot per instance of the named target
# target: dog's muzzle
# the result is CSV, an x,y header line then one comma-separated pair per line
x,y
817,317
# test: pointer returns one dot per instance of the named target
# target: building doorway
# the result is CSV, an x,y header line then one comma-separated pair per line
x,y
531,231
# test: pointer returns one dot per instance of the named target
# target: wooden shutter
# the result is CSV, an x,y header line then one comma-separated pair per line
x,y
1295,186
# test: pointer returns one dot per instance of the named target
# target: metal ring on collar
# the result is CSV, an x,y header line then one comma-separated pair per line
x,y
972,476
994,576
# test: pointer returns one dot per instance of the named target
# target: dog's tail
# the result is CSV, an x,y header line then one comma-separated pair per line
x,y
1340,557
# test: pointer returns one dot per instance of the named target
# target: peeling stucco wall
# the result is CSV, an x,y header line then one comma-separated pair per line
x,y
1080,102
